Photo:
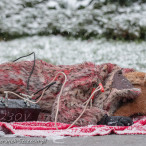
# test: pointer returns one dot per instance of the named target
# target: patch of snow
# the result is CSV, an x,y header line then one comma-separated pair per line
x,y
56,138
60,50
48,16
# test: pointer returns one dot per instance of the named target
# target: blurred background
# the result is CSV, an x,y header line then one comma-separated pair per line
x,y
75,31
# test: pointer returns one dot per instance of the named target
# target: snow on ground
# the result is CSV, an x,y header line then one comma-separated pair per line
x,y
60,50
34,17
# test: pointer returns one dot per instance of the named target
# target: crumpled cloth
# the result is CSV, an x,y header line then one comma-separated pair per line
x,y
44,129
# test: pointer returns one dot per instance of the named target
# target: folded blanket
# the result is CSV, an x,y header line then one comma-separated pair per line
x,y
44,129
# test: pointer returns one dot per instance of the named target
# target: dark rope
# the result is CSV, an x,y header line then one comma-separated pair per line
x,y
30,73
46,87
23,56
31,69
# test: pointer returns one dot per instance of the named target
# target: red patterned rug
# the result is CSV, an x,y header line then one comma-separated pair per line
x,y
45,129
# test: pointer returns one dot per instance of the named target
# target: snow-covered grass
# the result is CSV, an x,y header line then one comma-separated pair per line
x,y
60,50
31,17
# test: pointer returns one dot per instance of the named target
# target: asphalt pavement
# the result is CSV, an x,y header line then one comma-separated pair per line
x,y
109,140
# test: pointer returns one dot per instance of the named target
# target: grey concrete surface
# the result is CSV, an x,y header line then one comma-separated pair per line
x,y
109,140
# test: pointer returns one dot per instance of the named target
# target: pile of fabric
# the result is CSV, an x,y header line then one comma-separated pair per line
x,y
81,81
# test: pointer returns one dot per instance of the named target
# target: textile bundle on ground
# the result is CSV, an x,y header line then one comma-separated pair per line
x,y
48,129
81,80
